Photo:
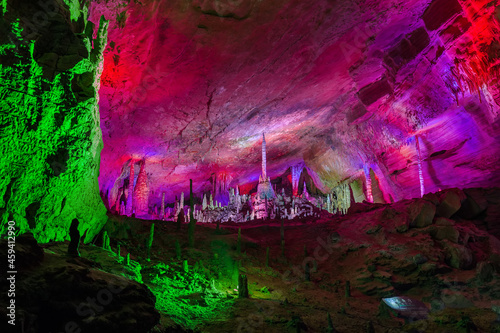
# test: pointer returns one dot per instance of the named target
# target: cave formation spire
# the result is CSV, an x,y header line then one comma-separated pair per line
x,y
264,167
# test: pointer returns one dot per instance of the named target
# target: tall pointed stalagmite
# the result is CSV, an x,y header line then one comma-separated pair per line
x,y
192,221
162,211
141,192
420,171
369,196
264,166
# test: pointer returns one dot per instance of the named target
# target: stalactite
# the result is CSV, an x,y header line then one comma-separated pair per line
x,y
214,184
473,72
296,171
117,203
420,172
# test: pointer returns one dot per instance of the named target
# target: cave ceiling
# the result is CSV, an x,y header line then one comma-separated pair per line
x,y
190,86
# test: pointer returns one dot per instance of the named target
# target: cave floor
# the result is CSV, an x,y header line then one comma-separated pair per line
x,y
339,249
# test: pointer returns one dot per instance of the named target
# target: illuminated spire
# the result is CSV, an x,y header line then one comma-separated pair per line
x,y
264,170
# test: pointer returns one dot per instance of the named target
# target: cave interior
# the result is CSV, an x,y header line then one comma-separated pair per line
x,y
250,166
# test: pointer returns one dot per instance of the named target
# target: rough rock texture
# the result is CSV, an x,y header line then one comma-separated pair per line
x,y
75,293
461,243
141,193
49,129
450,202
191,86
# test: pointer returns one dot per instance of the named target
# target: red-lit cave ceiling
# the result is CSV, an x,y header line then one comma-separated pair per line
x,y
190,86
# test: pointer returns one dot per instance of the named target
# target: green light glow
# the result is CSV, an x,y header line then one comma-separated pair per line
x,y
50,138
189,298
132,270
74,8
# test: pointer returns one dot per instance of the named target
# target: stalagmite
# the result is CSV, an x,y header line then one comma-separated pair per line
x,y
328,203
264,159
141,192
204,204
231,196
264,188
192,221
176,209
420,172
130,202
305,194
162,211
369,196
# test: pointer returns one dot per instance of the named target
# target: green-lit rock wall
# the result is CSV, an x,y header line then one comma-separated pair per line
x,y
50,139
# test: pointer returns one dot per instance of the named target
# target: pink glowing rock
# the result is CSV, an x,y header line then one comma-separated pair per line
x,y
197,85
130,194
141,193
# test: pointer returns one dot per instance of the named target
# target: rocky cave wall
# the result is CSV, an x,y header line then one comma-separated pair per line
x,y
51,61
343,86
189,87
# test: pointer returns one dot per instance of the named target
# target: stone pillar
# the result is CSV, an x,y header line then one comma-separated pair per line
x,y
162,211
296,171
420,173
130,201
264,166
369,196
141,193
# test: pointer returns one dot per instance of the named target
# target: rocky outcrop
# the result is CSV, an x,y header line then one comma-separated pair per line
x,y
57,293
450,202
462,244
51,140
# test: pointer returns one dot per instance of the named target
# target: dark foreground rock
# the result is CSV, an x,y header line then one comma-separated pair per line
x,y
63,294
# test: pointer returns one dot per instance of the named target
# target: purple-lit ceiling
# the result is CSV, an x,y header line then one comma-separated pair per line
x,y
191,85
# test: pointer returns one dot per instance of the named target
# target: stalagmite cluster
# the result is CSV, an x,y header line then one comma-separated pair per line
x,y
229,204
339,200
